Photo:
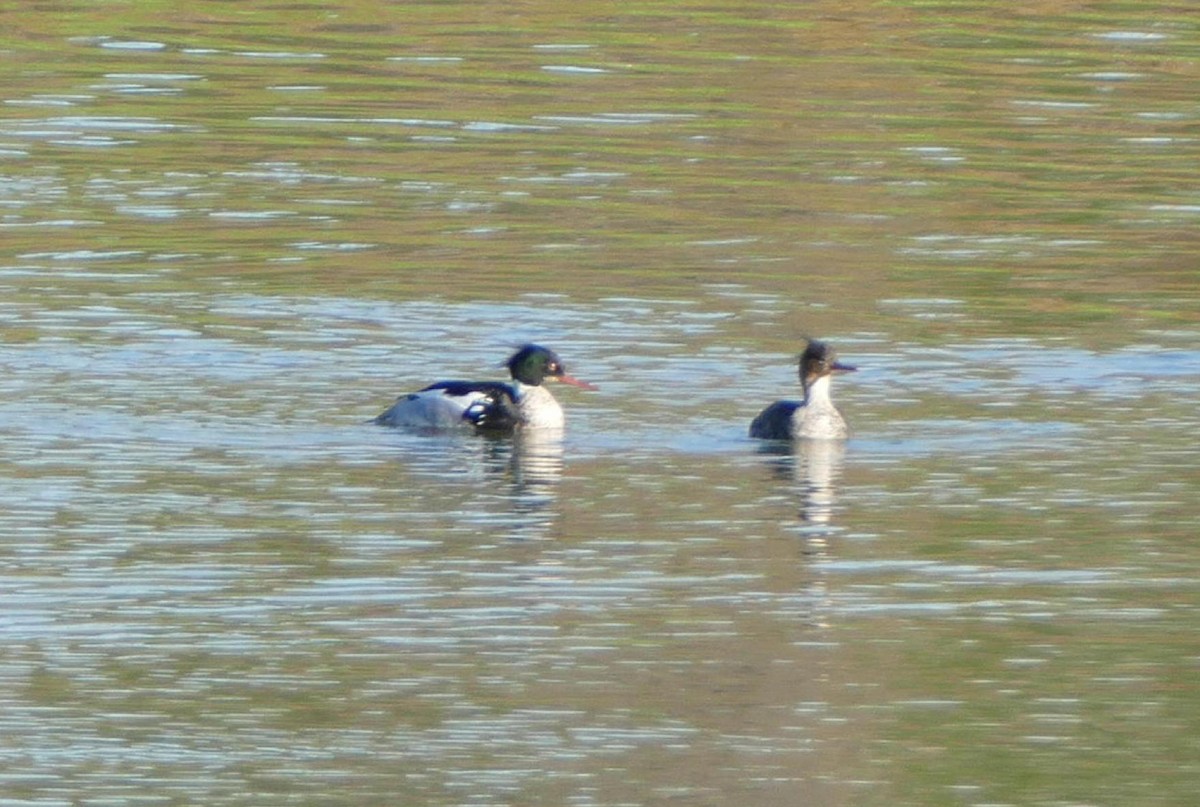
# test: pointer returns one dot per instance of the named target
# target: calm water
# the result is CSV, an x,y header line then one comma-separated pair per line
x,y
234,232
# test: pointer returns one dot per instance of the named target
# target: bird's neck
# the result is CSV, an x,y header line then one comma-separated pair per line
x,y
816,393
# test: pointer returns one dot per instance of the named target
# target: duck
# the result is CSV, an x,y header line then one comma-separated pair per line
x,y
490,406
815,417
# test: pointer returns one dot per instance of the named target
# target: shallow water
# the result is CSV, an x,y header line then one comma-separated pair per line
x,y
234,236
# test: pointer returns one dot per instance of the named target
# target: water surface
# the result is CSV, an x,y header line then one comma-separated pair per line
x,y
234,233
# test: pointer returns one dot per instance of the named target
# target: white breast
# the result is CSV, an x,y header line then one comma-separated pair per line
x,y
818,418
538,408
821,423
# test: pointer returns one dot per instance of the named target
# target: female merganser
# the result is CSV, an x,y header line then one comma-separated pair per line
x,y
489,405
815,416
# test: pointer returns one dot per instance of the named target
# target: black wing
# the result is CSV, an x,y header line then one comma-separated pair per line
x,y
775,422
467,387
495,412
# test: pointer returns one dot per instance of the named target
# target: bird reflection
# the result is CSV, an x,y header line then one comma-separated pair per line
x,y
505,485
811,470
530,467
814,468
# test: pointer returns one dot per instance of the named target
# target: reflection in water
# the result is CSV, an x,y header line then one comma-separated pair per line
x,y
818,466
809,470
492,485
814,467
531,464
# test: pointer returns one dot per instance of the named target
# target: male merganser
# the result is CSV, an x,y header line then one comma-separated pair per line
x,y
489,405
815,416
